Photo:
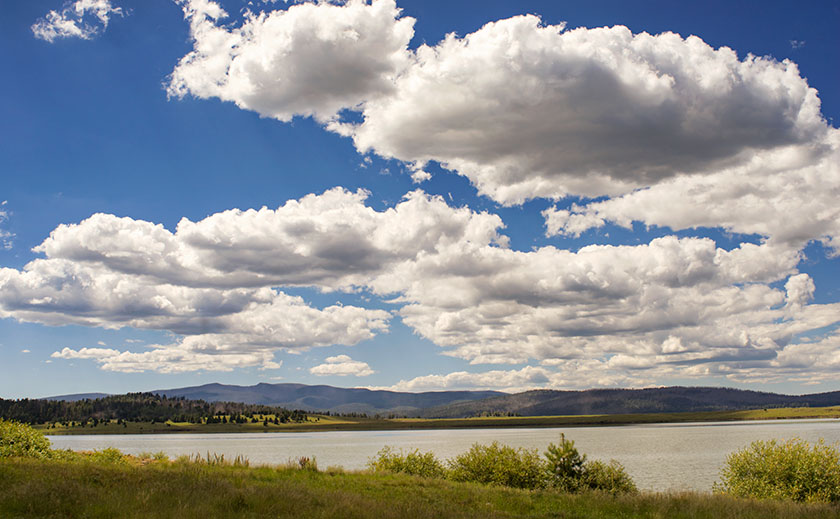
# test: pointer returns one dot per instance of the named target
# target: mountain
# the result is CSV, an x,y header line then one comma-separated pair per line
x,y
622,401
328,398
459,404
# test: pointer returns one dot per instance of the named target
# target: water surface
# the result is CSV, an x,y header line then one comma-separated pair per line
x,y
685,456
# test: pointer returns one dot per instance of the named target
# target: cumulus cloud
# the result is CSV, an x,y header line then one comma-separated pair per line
x,y
625,313
342,365
526,110
785,196
523,109
312,59
331,241
169,359
673,132
80,19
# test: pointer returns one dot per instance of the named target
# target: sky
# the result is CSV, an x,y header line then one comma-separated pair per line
x,y
419,195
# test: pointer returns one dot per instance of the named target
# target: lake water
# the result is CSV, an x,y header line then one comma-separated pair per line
x,y
659,457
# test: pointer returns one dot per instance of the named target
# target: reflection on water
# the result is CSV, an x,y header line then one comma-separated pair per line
x,y
657,456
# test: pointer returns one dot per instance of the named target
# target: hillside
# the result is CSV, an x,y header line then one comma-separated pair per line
x,y
328,398
622,401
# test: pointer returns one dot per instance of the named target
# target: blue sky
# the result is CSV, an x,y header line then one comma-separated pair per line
x,y
419,195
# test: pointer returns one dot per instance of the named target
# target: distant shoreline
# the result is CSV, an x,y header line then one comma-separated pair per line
x,y
334,423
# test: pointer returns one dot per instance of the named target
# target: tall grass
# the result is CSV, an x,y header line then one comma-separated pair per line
x,y
35,488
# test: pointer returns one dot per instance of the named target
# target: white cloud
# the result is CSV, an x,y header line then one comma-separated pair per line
x,y
169,359
786,196
331,240
512,381
25,351
677,133
674,307
312,59
342,365
6,237
80,19
526,110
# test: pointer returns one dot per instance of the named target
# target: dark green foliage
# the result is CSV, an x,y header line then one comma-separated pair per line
x,y
138,407
607,477
416,463
792,470
19,440
565,465
568,470
500,465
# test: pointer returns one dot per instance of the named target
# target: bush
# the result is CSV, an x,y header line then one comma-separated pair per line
x,y
607,477
415,463
792,470
500,465
568,470
20,440
109,455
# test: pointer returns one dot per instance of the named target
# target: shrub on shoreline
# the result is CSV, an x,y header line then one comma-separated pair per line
x,y
21,440
791,470
500,465
563,468
568,470
416,463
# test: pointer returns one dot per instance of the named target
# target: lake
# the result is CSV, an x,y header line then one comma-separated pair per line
x,y
685,456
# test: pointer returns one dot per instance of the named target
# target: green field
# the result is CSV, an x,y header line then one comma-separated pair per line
x,y
333,423
145,488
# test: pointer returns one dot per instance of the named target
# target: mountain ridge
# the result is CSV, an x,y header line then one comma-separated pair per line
x,y
462,404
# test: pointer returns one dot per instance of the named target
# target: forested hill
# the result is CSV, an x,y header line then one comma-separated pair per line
x,y
623,401
139,407
328,398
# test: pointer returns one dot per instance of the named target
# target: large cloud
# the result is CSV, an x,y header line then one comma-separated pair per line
x,y
678,133
675,302
522,109
331,241
311,59
526,110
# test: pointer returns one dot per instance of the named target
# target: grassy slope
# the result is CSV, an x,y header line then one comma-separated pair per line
x,y
331,423
34,488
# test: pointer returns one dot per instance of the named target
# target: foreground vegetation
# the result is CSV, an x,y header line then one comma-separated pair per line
x,y
36,481
563,468
315,422
792,470
34,488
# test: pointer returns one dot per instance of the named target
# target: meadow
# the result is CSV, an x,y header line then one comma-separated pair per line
x,y
185,489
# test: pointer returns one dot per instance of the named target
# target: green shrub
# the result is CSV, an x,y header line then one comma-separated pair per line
x,y
21,440
607,477
568,470
416,463
500,465
792,470
109,455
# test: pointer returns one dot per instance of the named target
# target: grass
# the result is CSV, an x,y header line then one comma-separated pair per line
x,y
333,423
150,488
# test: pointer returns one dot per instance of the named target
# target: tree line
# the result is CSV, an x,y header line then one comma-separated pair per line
x,y
143,407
